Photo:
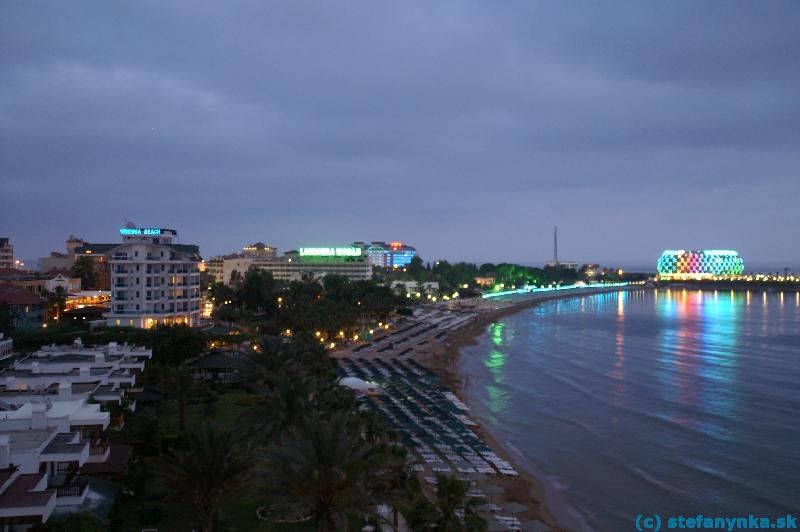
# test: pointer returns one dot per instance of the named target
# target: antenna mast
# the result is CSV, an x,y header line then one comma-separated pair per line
x,y
555,244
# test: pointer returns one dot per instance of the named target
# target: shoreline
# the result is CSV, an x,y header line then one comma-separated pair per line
x,y
530,489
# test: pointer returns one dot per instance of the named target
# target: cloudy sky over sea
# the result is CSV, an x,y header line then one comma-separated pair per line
x,y
465,128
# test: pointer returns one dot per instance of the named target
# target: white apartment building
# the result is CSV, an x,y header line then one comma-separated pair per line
x,y
6,346
51,425
43,447
82,371
154,280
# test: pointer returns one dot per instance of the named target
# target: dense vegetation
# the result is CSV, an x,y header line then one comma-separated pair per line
x,y
452,277
287,449
334,307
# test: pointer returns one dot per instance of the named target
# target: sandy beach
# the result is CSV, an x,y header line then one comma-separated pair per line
x,y
440,351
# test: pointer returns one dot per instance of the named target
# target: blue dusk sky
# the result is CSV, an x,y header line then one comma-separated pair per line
x,y
467,129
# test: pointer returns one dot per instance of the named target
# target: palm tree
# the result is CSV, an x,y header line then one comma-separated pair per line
x,y
56,303
451,495
179,384
282,404
211,467
324,470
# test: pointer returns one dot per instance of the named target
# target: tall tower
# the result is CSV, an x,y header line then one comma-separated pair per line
x,y
555,244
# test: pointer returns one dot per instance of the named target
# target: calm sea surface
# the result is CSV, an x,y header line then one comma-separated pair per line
x,y
667,402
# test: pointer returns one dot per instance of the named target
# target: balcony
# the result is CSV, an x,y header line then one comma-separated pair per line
x,y
74,487
99,451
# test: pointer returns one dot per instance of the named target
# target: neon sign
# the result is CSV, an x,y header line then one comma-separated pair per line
x,y
330,252
138,231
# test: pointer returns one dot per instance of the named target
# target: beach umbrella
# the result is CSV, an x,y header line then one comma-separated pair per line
x,y
515,508
492,489
535,526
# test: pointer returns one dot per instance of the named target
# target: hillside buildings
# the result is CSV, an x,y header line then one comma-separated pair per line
x,y
154,279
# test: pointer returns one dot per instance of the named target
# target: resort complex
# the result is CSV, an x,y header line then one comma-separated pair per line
x,y
58,406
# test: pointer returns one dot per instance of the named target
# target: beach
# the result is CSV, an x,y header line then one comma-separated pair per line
x,y
423,341
528,489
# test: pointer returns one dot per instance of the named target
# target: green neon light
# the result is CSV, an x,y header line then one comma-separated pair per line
x,y
349,251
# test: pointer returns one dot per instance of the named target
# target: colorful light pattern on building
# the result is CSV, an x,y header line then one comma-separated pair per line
x,y
392,255
703,264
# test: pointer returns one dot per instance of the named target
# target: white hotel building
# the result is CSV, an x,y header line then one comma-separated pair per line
x,y
154,280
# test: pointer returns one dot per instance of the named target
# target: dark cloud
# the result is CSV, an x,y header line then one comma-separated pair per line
x,y
468,129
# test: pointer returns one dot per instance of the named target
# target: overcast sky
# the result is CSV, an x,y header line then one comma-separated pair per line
x,y
467,129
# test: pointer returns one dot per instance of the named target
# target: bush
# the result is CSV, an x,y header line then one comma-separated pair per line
x,y
151,513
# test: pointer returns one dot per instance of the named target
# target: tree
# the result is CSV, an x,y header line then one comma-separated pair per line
x,y
235,279
56,303
451,495
324,470
178,384
84,269
174,344
74,522
416,268
212,466
8,318
257,292
284,403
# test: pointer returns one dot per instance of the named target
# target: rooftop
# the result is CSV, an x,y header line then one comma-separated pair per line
x,y
19,494
14,295
26,440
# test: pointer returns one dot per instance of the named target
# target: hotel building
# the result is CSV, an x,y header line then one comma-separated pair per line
x,y
61,261
154,280
260,251
6,254
349,261
383,255
252,256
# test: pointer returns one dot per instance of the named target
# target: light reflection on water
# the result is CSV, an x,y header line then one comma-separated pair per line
x,y
664,400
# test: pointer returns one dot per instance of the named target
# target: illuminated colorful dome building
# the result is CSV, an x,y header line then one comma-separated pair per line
x,y
703,264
